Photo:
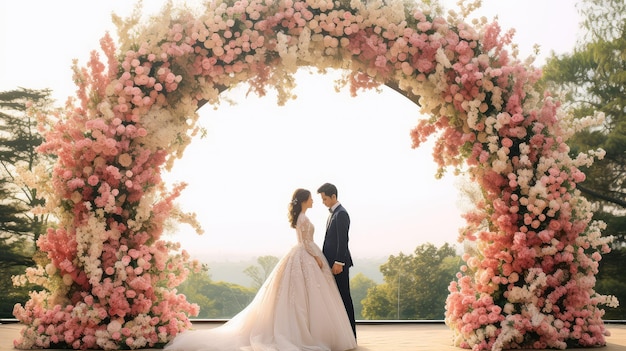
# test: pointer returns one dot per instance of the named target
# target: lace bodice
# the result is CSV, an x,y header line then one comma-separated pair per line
x,y
305,230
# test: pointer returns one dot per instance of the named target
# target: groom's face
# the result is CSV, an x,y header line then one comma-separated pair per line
x,y
328,201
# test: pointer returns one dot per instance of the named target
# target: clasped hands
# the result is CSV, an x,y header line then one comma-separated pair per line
x,y
336,268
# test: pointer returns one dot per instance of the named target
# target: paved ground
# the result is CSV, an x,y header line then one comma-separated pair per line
x,y
379,337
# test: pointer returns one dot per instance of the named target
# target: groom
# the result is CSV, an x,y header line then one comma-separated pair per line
x,y
336,246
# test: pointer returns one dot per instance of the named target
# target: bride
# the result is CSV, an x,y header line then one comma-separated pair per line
x,y
297,308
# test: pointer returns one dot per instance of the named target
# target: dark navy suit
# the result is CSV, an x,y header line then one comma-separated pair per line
x,y
336,250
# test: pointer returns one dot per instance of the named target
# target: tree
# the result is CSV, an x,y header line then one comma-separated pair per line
x,y
19,139
217,300
259,276
592,79
193,288
379,303
19,226
12,224
415,285
610,281
359,287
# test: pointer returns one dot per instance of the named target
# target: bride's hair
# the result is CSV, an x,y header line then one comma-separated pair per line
x,y
295,206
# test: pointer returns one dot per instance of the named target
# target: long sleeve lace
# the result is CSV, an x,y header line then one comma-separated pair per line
x,y
305,230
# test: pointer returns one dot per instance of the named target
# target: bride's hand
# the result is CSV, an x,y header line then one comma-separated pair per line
x,y
319,261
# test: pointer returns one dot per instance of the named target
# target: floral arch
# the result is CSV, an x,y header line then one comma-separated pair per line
x,y
109,278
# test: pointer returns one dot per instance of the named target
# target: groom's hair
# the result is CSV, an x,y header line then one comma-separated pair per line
x,y
328,189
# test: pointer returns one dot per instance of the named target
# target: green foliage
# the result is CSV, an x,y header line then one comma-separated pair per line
x,y
259,275
610,281
12,225
359,287
230,298
603,18
19,139
193,288
593,78
380,303
9,294
18,130
19,227
415,285
217,300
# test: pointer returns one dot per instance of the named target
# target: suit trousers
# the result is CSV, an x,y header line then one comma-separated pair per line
x,y
343,283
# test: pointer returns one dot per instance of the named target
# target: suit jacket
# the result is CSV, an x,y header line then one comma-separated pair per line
x,y
335,246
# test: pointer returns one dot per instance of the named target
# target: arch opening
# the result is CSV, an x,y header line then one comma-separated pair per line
x,y
264,151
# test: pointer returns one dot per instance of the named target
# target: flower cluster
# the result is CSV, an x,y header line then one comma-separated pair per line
x,y
108,276
529,278
528,281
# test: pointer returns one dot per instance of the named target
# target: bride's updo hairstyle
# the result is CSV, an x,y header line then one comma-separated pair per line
x,y
295,206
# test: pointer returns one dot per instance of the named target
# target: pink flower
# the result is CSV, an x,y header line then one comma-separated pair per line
x,y
93,180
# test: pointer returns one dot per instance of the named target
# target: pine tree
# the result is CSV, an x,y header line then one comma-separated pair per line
x,y
592,78
19,227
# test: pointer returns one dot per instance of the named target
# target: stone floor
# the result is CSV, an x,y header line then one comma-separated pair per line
x,y
378,336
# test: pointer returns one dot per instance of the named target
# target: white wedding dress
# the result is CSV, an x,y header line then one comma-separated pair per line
x,y
297,308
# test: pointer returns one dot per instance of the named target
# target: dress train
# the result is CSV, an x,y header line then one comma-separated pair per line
x,y
297,308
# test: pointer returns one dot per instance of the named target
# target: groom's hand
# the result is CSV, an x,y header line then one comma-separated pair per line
x,y
337,268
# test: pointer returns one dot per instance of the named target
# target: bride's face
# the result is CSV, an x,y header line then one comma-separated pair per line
x,y
308,203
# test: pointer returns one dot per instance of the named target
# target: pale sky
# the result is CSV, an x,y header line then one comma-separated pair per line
x,y
256,153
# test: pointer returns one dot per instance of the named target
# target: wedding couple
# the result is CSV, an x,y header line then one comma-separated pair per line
x,y
304,304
